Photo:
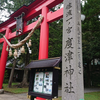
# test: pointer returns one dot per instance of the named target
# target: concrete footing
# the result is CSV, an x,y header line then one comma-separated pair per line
x,y
1,91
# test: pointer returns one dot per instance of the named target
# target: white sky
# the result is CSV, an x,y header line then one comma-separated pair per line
x,y
4,12
2,15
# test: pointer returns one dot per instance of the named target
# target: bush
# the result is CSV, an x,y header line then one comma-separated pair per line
x,y
6,77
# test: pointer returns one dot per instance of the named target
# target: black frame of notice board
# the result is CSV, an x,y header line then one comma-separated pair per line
x,y
54,83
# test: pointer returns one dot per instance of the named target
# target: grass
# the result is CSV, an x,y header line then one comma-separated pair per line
x,y
87,96
92,96
14,89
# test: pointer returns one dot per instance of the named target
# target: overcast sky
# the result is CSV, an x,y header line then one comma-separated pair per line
x,y
4,13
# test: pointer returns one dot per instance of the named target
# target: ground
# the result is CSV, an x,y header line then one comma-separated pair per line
x,y
10,96
93,93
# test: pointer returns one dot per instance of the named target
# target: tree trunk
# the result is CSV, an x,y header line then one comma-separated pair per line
x,y
89,74
12,74
25,76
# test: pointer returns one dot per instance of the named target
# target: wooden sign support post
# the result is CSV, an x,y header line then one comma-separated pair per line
x,y
72,69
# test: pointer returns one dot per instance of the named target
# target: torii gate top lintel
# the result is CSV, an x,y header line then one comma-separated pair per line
x,y
31,11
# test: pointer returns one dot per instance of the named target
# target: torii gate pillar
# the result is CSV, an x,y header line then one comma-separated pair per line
x,y
44,36
44,39
3,59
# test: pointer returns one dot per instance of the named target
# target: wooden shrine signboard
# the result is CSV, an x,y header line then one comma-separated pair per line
x,y
72,69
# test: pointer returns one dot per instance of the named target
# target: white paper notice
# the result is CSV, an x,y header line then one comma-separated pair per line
x,y
43,82
47,83
38,82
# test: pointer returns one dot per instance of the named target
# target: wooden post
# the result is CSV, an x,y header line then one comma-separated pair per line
x,y
72,68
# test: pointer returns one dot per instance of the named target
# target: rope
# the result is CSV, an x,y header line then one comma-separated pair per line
x,y
27,37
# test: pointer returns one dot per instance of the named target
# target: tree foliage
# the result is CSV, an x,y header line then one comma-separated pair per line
x,y
91,30
13,5
91,37
55,38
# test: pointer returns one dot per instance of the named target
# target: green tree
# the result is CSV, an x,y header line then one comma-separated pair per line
x,y
55,38
12,74
6,77
91,36
16,4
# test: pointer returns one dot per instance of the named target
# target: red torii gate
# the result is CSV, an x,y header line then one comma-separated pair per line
x,y
31,11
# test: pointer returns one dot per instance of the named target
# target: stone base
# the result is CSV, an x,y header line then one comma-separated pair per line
x,y
1,91
55,99
48,99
